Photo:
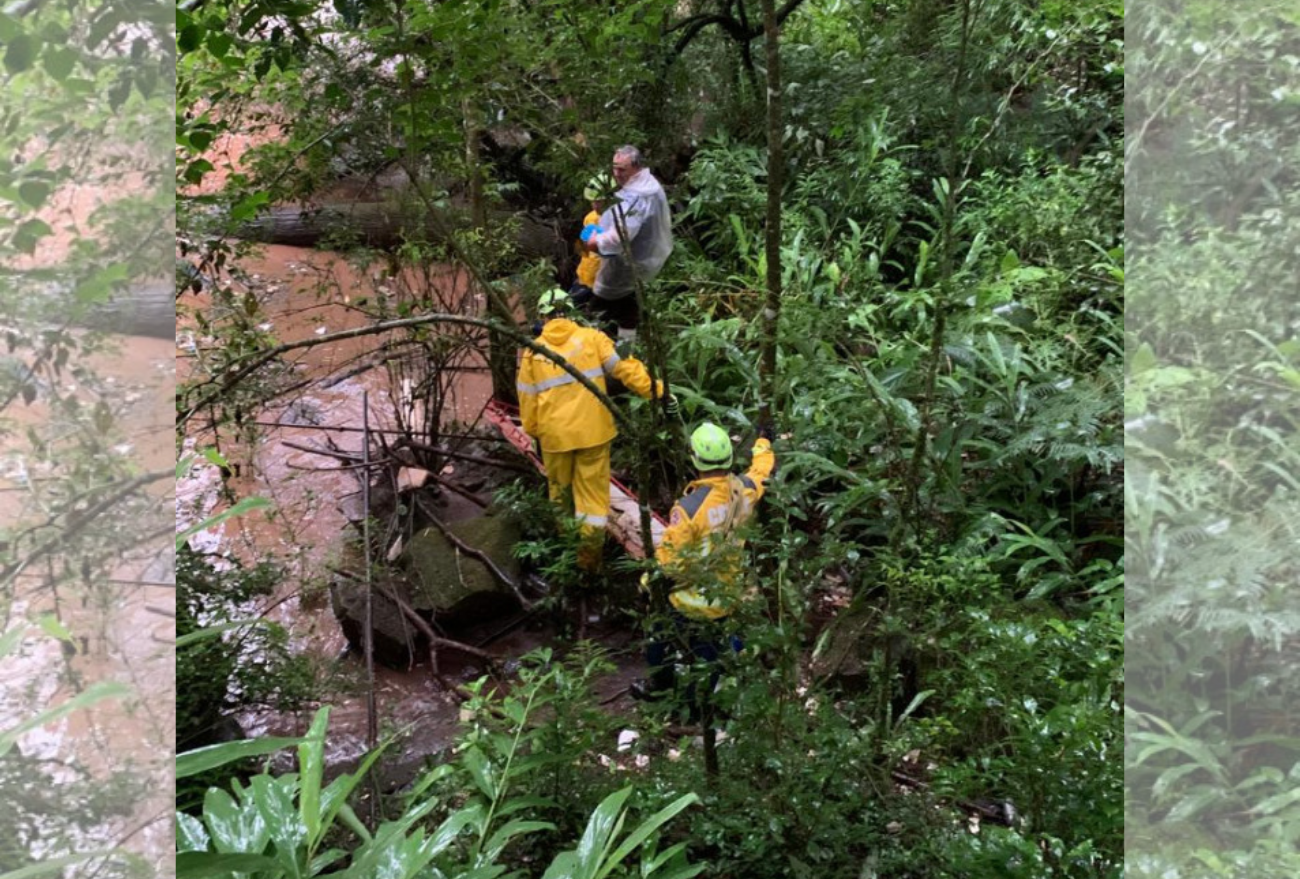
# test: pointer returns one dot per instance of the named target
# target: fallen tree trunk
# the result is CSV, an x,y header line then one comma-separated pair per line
x,y
384,225
147,309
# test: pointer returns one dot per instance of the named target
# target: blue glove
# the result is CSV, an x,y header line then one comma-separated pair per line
x,y
589,230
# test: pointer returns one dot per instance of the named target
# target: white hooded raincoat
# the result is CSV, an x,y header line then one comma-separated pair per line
x,y
642,209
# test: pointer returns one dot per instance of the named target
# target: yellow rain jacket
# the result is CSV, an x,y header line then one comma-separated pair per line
x,y
558,411
589,265
701,550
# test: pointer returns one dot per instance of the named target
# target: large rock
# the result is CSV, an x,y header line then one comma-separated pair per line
x,y
458,589
444,585
396,640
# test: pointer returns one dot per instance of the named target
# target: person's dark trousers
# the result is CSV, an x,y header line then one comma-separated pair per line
x,y
679,640
622,312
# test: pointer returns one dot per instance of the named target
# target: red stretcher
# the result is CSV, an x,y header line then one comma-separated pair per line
x,y
624,510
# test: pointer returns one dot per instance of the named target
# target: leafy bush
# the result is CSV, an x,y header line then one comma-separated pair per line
x,y
297,825
247,667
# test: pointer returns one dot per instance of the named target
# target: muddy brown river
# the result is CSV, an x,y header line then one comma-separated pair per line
x,y
123,625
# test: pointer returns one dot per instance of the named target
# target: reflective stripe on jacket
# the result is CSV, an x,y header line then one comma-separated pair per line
x,y
701,549
557,410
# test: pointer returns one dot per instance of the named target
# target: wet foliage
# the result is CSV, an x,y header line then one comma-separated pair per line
x,y
1210,429
931,680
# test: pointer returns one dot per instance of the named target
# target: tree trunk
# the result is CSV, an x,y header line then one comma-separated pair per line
x,y
382,225
501,352
474,165
775,181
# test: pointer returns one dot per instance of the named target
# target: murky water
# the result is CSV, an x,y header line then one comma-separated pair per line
x,y
122,627
307,293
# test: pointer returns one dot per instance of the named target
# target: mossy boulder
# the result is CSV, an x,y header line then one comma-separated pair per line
x,y
440,582
453,586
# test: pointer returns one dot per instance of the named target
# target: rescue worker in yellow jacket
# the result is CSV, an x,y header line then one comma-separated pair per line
x,y
573,428
702,553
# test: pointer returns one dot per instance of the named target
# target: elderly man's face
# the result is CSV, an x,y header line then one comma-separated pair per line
x,y
623,169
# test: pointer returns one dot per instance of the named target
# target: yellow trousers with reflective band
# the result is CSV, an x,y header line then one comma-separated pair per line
x,y
586,472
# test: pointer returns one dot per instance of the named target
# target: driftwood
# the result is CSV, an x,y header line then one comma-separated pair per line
x,y
147,309
384,225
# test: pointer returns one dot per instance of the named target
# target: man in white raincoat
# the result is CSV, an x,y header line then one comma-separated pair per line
x,y
640,210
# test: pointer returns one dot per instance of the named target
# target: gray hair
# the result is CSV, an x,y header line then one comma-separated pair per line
x,y
632,154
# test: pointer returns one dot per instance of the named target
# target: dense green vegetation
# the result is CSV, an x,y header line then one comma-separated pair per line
x,y
947,366
1210,393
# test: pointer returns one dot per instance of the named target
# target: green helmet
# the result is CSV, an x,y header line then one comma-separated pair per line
x,y
710,447
552,301
598,186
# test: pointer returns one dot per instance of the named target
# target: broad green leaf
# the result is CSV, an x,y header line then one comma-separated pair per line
x,y
58,62
200,865
349,818
601,828
447,832
191,835
1190,806
212,456
643,832
1170,777
51,626
275,798
311,768
1143,359
688,872
21,53
247,505
334,799
34,193
509,831
195,170
327,858
248,208
916,703
650,865
99,286
29,234
10,640
491,871
219,44
52,867
564,866
234,827
190,37
213,756
90,696
1277,803
207,633
480,769
1290,376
